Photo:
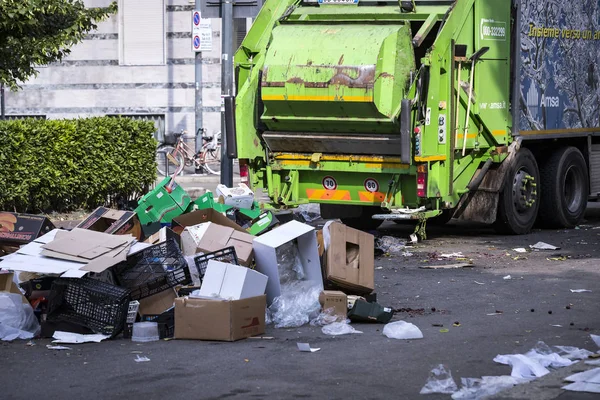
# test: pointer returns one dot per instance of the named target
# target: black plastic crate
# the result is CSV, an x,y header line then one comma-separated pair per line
x,y
153,270
165,321
226,255
98,306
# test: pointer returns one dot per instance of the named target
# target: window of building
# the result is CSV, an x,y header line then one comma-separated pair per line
x,y
141,32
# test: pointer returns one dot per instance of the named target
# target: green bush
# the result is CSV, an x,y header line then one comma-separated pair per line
x,y
63,165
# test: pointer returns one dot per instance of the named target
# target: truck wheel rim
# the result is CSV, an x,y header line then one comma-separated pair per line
x,y
572,194
524,191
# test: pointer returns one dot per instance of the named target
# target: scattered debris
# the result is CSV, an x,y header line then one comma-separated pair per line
x,y
305,347
543,246
75,338
587,381
339,328
390,244
139,359
507,278
479,283
440,381
448,266
452,255
520,250
402,330
580,290
50,347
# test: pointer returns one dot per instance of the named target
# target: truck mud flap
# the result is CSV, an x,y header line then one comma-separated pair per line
x,y
405,129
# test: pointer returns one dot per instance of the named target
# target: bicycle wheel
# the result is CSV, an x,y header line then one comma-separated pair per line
x,y
164,166
212,160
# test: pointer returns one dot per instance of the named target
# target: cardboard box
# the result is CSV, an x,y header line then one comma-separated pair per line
x,y
161,205
265,253
209,237
350,259
206,319
336,300
232,282
7,284
162,236
158,303
114,222
22,228
238,197
200,217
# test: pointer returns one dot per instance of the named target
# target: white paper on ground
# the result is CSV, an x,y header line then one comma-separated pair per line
x,y
596,339
580,290
305,347
549,360
583,387
75,338
507,278
520,250
50,347
522,366
402,330
543,246
141,359
589,376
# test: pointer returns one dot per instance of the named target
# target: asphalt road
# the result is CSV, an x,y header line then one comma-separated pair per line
x,y
367,365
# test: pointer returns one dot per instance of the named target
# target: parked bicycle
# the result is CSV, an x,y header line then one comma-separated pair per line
x,y
207,160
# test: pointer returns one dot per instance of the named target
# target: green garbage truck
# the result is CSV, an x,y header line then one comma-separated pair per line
x,y
484,110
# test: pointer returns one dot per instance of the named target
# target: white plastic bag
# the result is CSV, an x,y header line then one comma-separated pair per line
x,y
402,330
440,381
339,328
17,320
297,305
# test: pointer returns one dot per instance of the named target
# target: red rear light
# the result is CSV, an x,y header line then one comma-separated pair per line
x,y
422,181
244,173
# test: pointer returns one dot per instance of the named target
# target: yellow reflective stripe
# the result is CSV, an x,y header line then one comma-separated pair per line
x,y
351,99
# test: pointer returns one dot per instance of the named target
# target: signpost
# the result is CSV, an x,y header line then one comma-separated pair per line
x,y
201,41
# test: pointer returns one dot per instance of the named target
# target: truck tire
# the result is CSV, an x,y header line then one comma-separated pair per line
x,y
565,189
365,222
519,203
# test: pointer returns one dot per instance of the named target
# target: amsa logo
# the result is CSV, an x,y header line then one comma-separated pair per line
x,y
535,101
493,30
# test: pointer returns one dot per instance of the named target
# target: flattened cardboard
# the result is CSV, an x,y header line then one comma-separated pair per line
x,y
205,319
350,260
114,222
157,303
22,228
265,252
202,216
209,237
336,300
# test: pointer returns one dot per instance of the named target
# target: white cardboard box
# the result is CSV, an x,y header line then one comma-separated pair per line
x,y
232,282
265,253
240,196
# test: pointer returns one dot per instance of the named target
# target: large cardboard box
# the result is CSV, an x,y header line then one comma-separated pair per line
x,y
350,260
209,237
232,282
113,221
206,319
165,202
265,253
157,303
22,228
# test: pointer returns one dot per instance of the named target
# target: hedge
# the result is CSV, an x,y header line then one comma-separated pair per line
x,y
63,165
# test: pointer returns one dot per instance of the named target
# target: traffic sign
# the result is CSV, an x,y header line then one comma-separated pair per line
x,y
201,32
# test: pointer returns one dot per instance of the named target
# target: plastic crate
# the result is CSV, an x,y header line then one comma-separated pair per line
x,y
226,255
96,305
153,270
166,322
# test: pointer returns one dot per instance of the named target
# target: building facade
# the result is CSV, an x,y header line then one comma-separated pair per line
x,y
138,63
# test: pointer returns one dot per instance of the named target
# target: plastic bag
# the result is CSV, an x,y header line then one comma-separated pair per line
x,y
573,353
309,212
402,330
326,317
390,244
17,320
475,388
289,263
543,354
339,328
439,381
297,304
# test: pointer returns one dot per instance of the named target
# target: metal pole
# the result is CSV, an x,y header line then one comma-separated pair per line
x,y
198,100
226,86
2,103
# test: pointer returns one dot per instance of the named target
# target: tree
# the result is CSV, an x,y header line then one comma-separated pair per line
x,y
39,32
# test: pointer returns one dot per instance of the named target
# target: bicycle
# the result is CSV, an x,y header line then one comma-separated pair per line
x,y
175,158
